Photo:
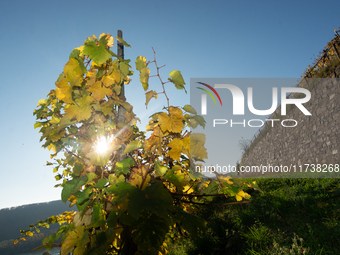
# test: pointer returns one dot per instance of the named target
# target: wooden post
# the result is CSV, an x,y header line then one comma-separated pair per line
x,y
121,110
120,53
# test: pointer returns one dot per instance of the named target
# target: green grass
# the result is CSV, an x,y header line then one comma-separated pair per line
x,y
289,216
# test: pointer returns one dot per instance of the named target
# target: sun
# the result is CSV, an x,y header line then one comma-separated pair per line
x,y
103,145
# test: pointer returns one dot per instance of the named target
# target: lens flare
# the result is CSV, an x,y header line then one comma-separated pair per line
x,y
102,145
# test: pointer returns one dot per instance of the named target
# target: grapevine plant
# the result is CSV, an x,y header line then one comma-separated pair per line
x,y
127,190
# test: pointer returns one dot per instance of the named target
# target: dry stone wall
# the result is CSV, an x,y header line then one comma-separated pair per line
x,y
316,138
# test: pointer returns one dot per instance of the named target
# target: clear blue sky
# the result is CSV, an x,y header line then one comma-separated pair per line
x,y
217,39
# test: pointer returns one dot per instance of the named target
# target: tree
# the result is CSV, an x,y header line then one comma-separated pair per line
x,y
127,190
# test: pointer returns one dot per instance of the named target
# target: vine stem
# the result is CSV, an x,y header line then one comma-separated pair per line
x,y
154,57
232,203
48,244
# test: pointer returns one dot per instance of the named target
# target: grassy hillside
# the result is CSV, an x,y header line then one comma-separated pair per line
x,y
273,223
12,220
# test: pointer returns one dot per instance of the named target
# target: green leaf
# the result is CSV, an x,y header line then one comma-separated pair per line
x,y
177,178
101,183
71,187
84,195
144,78
91,177
140,63
113,217
150,231
177,79
123,42
97,219
75,53
190,222
121,190
99,54
154,198
122,167
200,120
134,145
160,170
124,68
74,238
190,109
77,169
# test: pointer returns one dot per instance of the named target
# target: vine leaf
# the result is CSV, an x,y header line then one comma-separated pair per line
x,y
81,112
140,63
190,222
64,91
177,177
197,149
99,91
134,145
123,42
122,167
176,148
150,232
160,170
172,122
73,72
150,94
98,53
71,187
154,198
177,79
190,109
144,78
78,238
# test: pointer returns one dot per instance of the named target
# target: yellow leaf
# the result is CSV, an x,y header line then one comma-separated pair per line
x,y
80,48
109,39
226,179
52,147
144,77
72,239
137,176
197,148
241,194
238,197
64,91
176,148
91,77
172,122
73,72
110,42
113,78
55,120
188,189
155,141
41,102
99,91
81,112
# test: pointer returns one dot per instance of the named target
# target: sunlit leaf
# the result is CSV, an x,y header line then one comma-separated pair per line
x,y
172,122
122,41
99,91
98,53
144,77
177,79
82,111
140,63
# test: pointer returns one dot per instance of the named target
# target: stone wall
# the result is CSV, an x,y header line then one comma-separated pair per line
x,y
316,138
